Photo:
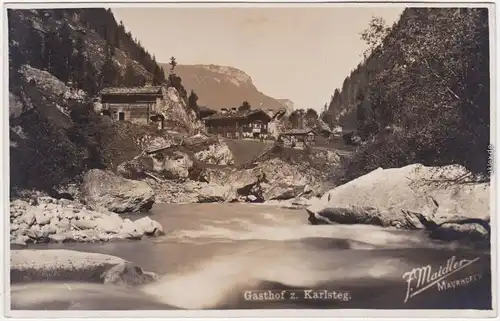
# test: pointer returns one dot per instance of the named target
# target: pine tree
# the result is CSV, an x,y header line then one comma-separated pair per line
x,y
157,76
78,62
54,56
91,80
110,43
66,50
193,103
245,106
116,41
15,57
109,72
162,75
129,77
34,45
173,64
311,117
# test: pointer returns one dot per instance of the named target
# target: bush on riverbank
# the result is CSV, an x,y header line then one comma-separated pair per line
x,y
402,149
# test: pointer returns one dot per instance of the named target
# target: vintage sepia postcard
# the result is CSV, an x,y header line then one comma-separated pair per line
x,y
249,159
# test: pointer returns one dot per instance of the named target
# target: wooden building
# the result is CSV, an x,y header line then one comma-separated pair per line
x,y
238,124
297,137
135,104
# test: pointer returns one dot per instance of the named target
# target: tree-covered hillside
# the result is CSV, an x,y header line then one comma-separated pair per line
x,y
58,61
426,81
85,46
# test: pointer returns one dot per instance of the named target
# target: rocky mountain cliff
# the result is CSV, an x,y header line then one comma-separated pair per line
x,y
224,87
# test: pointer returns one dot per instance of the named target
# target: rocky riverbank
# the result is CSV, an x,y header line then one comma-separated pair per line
x,y
202,170
44,219
93,213
436,199
268,181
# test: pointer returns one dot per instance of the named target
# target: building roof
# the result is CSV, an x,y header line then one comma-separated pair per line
x,y
237,115
294,132
205,109
146,90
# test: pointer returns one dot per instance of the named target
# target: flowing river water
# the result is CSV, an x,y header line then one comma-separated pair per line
x,y
213,254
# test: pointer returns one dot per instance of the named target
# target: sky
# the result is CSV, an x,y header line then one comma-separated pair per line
x,y
298,53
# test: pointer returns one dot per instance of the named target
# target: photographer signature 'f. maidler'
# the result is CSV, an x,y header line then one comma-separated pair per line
x,y
424,277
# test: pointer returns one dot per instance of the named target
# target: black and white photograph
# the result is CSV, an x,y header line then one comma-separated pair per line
x,y
249,157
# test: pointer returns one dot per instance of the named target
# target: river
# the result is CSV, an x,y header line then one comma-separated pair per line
x,y
213,254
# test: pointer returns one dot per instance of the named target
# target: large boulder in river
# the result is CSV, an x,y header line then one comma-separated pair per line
x,y
104,190
273,179
248,182
457,228
397,196
67,266
283,192
213,193
127,273
364,215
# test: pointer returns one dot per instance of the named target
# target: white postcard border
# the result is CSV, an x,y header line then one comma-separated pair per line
x,y
289,313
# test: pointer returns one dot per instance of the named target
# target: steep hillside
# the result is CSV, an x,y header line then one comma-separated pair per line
x,y
423,94
58,60
86,46
223,87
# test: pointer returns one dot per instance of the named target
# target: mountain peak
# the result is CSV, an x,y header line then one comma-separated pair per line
x,y
220,87
235,75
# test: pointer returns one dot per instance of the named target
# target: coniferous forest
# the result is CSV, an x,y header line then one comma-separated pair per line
x,y
61,50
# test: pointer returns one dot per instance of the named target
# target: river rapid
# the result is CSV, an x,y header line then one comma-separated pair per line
x,y
228,256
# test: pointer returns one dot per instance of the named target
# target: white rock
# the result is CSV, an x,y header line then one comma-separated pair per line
x,y
108,224
149,226
178,165
46,230
130,229
43,217
28,217
218,154
84,224
60,237
63,224
413,188
20,240
54,221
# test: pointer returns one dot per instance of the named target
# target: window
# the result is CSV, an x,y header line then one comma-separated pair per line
x,y
121,115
